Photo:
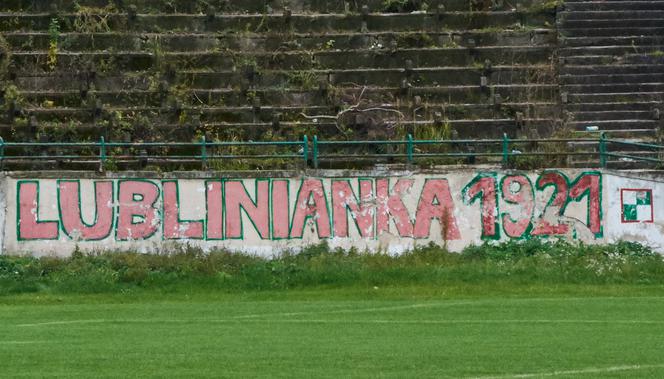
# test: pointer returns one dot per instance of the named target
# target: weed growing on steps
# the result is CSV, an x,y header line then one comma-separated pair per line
x,y
530,262
53,40
5,56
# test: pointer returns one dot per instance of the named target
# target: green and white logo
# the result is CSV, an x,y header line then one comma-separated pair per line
x,y
636,205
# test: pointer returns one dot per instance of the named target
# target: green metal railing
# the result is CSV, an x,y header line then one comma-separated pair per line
x,y
410,151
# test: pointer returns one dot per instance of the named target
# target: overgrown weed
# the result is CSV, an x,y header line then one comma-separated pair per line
x,y
525,262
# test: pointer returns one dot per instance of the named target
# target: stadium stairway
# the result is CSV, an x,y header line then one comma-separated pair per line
x,y
611,60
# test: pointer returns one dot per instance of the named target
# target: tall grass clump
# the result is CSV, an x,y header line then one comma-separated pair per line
x,y
524,262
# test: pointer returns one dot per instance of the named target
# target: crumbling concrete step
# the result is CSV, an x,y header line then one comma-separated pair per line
x,y
614,124
612,50
654,58
64,105
613,115
636,134
610,23
634,40
276,23
35,81
568,69
514,97
623,106
136,61
614,88
229,6
618,97
613,31
612,78
466,128
619,15
444,76
620,5
29,41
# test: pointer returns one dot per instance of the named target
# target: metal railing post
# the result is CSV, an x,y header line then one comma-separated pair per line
x,y
2,153
204,153
602,150
409,148
102,153
305,150
315,151
506,153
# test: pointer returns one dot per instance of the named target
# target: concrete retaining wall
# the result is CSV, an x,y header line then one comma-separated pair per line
x,y
52,213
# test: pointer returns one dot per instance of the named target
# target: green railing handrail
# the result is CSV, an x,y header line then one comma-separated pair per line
x,y
315,152
312,149
506,153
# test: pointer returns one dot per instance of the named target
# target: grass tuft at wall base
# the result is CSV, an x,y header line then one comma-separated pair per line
x,y
515,263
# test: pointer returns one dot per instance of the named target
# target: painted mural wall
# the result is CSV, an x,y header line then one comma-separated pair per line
x,y
365,210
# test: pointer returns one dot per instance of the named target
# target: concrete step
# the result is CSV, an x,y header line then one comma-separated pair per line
x,y
608,70
636,134
610,23
230,6
614,124
613,31
611,50
280,96
618,15
480,128
614,88
68,104
383,58
613,115
276,23
613,107
620,5
632,40
618,97
612,78
180,42
627,59
451,76
272,78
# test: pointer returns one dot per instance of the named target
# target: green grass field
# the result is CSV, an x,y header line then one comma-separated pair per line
x,y
568,331
524,310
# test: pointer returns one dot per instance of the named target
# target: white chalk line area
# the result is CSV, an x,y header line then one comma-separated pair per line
x,y
261,316
590,370
356,310
342,321
22,342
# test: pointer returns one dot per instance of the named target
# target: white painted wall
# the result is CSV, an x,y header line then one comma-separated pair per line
x,y
467,216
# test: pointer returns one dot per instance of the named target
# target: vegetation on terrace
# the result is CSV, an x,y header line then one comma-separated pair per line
x,y
259,70
265,70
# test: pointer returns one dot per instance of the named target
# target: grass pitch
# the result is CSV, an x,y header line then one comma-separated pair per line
x,y
514,331
516,310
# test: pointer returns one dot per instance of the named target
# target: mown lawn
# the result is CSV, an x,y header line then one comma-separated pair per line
x,y
475,331
515,310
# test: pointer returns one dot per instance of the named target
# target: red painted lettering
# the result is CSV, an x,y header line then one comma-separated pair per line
x,y
344,200
237,199
137,214
174,227
311,203
436,203
390,205
71,214
29,225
